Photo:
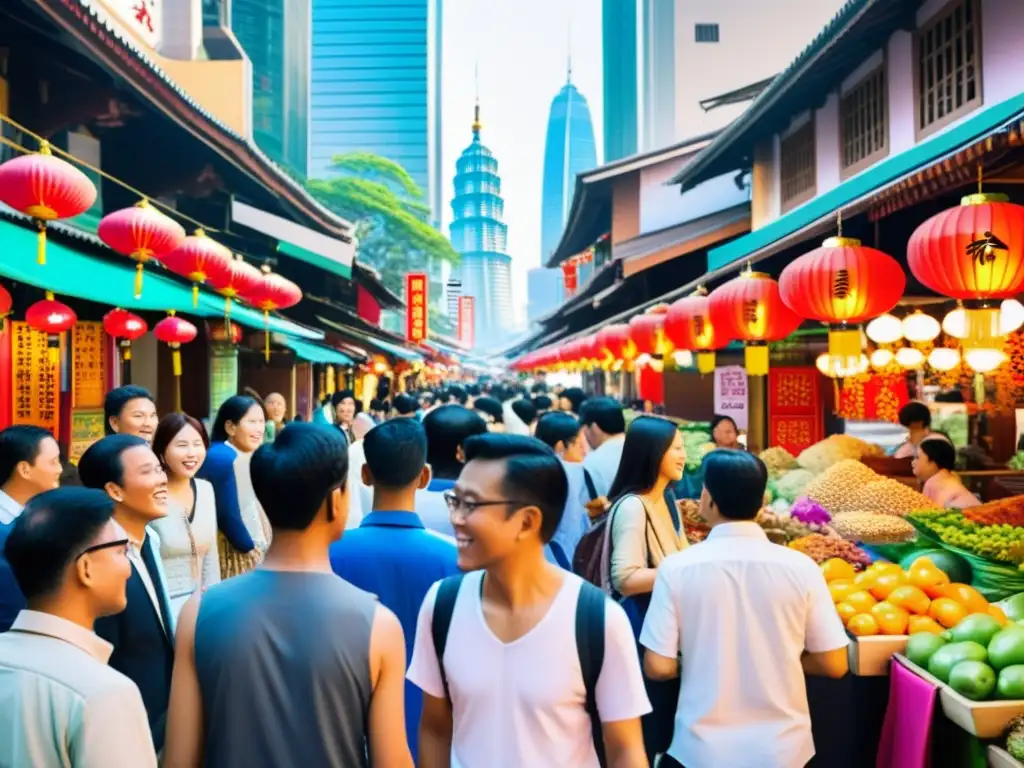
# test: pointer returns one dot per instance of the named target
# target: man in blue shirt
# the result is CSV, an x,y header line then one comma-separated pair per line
x,y
391,554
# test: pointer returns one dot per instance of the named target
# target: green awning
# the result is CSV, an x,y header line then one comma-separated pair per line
x,y
73,273
373,341
316,353
892,169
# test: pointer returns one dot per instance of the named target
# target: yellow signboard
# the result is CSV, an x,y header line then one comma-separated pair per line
x,y
90,368
35,380
86,429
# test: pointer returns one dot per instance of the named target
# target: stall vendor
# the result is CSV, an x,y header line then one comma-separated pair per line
x,y
918,420
933,466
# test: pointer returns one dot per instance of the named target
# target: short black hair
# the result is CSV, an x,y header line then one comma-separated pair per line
x,y
533,474
719,418
556,427
605,413
377,405
427,398
575,396
342,394
539,387
396,452
448,427
735,481
939,450
295,474
233,409
915,413
101,463
405,404
491,406
19,443
459,394
543,402
53,529
118,398
525,410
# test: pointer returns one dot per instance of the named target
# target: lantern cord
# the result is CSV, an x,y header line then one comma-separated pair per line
x,y
839,223
981,174
57,150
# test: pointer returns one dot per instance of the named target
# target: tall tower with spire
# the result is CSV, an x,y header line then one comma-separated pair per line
x,y
479,235
569,149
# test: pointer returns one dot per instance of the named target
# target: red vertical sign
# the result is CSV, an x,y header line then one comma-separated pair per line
x,y
796,417
467,321
416,307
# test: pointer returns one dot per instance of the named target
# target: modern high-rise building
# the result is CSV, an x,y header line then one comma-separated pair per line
x,y
569,149
276,38
479,235
376,86
621,104
680,38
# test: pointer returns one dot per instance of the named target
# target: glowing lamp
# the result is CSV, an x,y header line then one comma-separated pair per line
x,y
1011,317
688,326
910,357
53,318
837,368
943,359
615,345
885,329
984,360
683,358
126,327
919,328
882,359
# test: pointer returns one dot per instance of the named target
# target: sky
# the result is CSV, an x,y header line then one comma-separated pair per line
x,y
521,47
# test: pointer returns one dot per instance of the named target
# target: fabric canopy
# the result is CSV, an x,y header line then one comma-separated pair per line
x,y
316,353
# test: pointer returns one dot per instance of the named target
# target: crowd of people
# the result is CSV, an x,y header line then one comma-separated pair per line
x,y
476,576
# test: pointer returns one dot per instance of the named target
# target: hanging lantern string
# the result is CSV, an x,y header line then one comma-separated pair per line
x,y
839,222
68,156
981,174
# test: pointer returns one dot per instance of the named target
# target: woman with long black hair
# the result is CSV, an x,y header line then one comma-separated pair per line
x,y
644,529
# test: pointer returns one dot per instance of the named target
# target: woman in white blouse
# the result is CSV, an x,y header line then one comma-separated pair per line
x,y
188,535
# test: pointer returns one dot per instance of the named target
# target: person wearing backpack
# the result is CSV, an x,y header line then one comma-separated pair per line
x,y
503,687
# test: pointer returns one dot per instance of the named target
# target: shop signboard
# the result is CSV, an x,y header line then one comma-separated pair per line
x,y
89,375
86,429
35,385
416,307
467,321
731,394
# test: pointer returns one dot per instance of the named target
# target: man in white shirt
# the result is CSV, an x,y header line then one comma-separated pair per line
x,y
748,619
604,426
360,501
511,691
60,704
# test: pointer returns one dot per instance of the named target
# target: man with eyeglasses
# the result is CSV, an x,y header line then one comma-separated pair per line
x,y
502,686
60,703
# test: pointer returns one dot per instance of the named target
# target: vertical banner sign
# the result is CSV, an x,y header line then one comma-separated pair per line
x,y
796,416
223,374
35,380
570,277
467,321
416,307
731,394
89,375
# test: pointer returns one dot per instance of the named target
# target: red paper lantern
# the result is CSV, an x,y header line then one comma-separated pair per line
x,y
270,294
141,233
199,258
6,303
750,309
46,188
648,332
53,318
974,253
842,284
614,344
125,326
239,278
230,333
688,326
174,332
590,353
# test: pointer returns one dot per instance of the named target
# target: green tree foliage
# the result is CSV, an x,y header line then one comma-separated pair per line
x,y
390,214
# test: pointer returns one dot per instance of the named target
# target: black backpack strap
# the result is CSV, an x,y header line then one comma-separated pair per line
x,y
588,480
441,622
590,609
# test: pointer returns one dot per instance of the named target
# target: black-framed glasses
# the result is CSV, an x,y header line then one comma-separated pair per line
x,y
119,543
457,504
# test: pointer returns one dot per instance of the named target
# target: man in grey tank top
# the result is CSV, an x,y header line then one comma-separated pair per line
x,y
289,665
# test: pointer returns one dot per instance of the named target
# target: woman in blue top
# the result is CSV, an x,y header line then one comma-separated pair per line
x,y
245,534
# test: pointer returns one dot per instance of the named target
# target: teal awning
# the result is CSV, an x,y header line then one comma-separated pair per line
x,y
373,341
892,169
316,353
72,273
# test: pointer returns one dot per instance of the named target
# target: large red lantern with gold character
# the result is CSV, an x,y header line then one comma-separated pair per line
x,y
648,332
125,326
974,253
614,344
141,233
272,293
53,318
843,283
199,258
748,308
46,188
688,326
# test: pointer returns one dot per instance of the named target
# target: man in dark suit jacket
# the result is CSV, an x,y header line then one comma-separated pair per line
x,y
11,599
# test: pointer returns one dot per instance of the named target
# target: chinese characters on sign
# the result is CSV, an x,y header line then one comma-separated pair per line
x,y
416,307
144,18
86,429
466,323
570,277
35,380
795,410
731,394
90,369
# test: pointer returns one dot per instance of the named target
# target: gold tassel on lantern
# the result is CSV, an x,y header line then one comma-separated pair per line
x,y
705,362
126,350
266,335
41,242
138,280
755,357
195,295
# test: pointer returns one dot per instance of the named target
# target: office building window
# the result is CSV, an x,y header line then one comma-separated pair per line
x,y
797,167
863,120
706,33
948,66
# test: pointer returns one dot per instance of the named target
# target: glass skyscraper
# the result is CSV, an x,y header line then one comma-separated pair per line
x,y
276,38
376,86
479,235
619,41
